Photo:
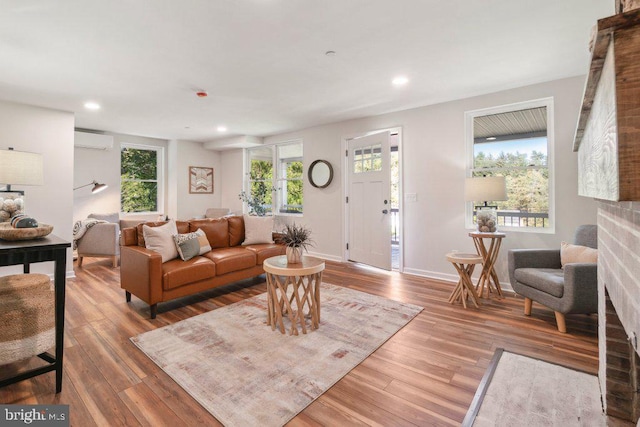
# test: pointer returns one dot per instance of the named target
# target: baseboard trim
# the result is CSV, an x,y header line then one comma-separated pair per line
x,y
432,274
506,286
67,275
325,256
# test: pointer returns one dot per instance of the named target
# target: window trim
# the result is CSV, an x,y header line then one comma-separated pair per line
x,y
276,180
469,116
160,177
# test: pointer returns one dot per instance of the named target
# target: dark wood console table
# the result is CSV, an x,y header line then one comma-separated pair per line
x,y
26,252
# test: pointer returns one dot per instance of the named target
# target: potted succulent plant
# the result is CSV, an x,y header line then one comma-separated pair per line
x,y
296,238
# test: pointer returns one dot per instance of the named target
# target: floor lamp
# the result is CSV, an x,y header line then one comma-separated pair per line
x,y
96,187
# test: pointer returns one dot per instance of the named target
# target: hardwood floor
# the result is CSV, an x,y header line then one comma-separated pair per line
x,y
426,374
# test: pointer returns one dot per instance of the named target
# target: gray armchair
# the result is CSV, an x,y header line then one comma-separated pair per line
x,y
537,275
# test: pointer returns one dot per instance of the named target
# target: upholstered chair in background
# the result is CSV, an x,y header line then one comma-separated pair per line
x,y
101,240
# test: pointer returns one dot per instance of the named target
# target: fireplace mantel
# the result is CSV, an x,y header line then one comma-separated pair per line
x,y
608,133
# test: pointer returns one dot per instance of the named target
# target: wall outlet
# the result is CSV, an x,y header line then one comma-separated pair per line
x,y
410,197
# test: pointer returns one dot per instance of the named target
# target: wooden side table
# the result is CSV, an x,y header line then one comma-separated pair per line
x,y
304,279
489,255
464,264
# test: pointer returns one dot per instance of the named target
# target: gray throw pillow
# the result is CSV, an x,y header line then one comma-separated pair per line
x,y
191,244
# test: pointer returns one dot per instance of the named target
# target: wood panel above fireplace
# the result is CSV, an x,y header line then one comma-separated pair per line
x,y
608,134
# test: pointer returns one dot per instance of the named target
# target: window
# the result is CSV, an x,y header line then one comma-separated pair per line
x,y
368,159
140,178
275,179
261,180
289,161
515,142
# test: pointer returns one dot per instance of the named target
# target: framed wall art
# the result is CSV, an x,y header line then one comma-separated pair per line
x,y
200,180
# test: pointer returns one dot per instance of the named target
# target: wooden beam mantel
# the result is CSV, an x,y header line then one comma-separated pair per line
x,y
605,29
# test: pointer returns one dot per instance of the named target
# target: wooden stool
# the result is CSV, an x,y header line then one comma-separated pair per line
x,y
464,264
27,316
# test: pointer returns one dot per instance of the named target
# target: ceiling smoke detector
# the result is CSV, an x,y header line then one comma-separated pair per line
x,y
202,94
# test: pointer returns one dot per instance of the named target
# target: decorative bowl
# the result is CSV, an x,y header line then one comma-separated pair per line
x,y
7,232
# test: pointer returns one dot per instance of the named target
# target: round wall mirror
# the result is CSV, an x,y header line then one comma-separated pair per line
x,y
320,173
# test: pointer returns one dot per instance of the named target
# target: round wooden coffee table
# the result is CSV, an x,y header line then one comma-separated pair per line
x,y
304,279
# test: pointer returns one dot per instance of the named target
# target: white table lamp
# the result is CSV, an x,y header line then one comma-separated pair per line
x,y
486,189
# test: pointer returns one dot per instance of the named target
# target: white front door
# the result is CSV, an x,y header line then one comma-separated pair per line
x,y
369,202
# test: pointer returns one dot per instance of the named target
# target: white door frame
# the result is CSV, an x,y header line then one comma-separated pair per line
x,y
345,186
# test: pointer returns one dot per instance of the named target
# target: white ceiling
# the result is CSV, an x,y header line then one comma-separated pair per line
x,y
263,62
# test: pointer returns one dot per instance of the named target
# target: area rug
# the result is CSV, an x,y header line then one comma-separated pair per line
x,y
245,374
519,390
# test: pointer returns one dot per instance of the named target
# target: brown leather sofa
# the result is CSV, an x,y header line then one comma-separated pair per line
x,y
143,274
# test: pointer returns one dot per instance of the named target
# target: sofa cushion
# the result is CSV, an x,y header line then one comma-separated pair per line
x,y
231,259
176,273
191,244
548,280
181,226
236,230
160,239
575,253
266,250
217,231
258,229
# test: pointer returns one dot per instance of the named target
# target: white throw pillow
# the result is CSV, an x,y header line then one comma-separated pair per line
x,y
160,239
570,254
258,229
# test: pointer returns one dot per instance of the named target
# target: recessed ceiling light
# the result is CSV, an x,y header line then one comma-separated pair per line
x,y
491,138
222,128
90,105
400,80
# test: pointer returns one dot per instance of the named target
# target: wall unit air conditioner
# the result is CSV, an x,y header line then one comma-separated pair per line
x,y
94,141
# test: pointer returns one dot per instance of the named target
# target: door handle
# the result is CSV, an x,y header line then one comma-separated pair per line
x,y
384,211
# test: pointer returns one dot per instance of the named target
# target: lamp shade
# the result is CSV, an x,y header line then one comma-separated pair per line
x,y
97,187
487,188
20,167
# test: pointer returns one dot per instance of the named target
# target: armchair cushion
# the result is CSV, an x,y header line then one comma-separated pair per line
x,y
549,280
570,254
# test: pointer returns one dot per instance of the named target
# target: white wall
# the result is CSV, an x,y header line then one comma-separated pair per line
x,y
104,167
231,169
183,155
433,160
49,132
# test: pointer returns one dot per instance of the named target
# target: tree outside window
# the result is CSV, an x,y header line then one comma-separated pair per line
x,y
139,178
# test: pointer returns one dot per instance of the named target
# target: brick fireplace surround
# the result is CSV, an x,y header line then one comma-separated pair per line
x,y
619,307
